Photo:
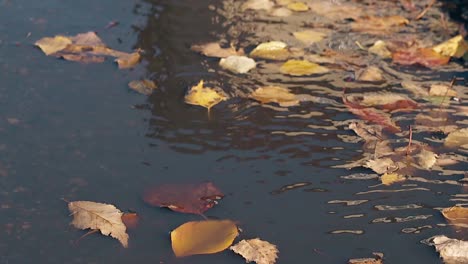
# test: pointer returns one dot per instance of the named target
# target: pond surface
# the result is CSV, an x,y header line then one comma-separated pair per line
x,y
76,132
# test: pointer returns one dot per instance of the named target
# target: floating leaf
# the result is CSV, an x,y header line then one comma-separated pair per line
x,y
309,36
442,90
98,216
381,165
126,61
383,100
281,12
454,47
130,220
422,56
275,94
52,45
371,74
184,198
457,215
259,251
237,64
298,6
378,25
390,178
203,237
258,5
213,49
273,50
144,86
378,259
380,48
302,67
457,138
331,10
203,96
452,251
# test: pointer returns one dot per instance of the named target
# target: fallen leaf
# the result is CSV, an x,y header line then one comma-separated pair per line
x,y
184,198
382,100
126,61
130,220
423,56
457,138
257,250
275,94
336,12
454,47
416,88
144,86
371,74
442,90
452,251
258,5
204,96
52,45
281,12
426,159
98,216
378,25
380,48
381,165
273,50
203,237
309,37
456,215
298,6
237,64
390,178
213,49
378,259
301,68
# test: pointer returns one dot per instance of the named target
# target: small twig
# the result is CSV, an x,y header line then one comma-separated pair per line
x,y
425,10
408,149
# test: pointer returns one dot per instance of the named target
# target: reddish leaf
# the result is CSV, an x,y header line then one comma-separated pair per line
x,y
400,104
130,220
422,56
372,115
184,198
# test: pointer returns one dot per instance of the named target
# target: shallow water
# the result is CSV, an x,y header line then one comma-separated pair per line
x,y
83,135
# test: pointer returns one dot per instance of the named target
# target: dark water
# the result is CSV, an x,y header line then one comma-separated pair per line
x,y
83,135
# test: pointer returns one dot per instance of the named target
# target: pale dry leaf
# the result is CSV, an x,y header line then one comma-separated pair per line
x,y
99,216
371,74
390,178
204,96
257,250
309,37
301,68
452,251
454,47
438,89
426,159
273,50
380,48
266,5
381,165
237,64
52,45
281,12
213,49
298,6
126,61
144,86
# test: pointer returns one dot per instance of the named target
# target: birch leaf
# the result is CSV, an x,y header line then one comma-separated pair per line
x,y
203,96
203,237
98,216
275,94
302,67
380,48
259,251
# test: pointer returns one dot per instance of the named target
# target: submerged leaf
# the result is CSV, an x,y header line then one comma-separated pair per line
x,y
371,74
204,96
383,100
237,64
457,138
98,216
213,49
378,25
257,250
275,94
302,67
422,56
203,237
309,36
273,50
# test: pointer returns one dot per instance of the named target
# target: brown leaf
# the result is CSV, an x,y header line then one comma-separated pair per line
x,y
213,49
378,25
184,198
144,86
257,250
126,61
130,220
275,94
423,56
98,216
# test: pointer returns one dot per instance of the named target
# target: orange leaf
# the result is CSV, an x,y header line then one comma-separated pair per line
x,y
423,56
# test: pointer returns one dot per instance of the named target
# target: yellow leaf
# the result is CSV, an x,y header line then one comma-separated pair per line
x,y
390,178
275,94
52,45
128,60
301,67
454,47
456,214
213,49
298,6
143,86
380,48
259,251
203,237
309,36
203,96
457,138
273,50
104,217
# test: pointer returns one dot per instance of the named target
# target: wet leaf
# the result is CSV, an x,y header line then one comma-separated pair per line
x,y
380,48
442,90
378,259
52,45
144,86
126,61
301,68
256,250
454,47
203,237
425,159
258,5
237,64
390,178
381,165
273,50
383,100
298,6
378,25
98,216
281,12
456,215
184,198
213,49
457,138
309,37
423,56
204,96
275,94
452,251
371,74
336,12
130,220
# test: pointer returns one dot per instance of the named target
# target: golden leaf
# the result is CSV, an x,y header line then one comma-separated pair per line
x,y
104,217
456,214
298,6
454,47
203,96
128,60
371,74
144,86
380,48
52,45
452,251
302,67
457,138
203,237
259,251
390,178
309,36
275,94
273,50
